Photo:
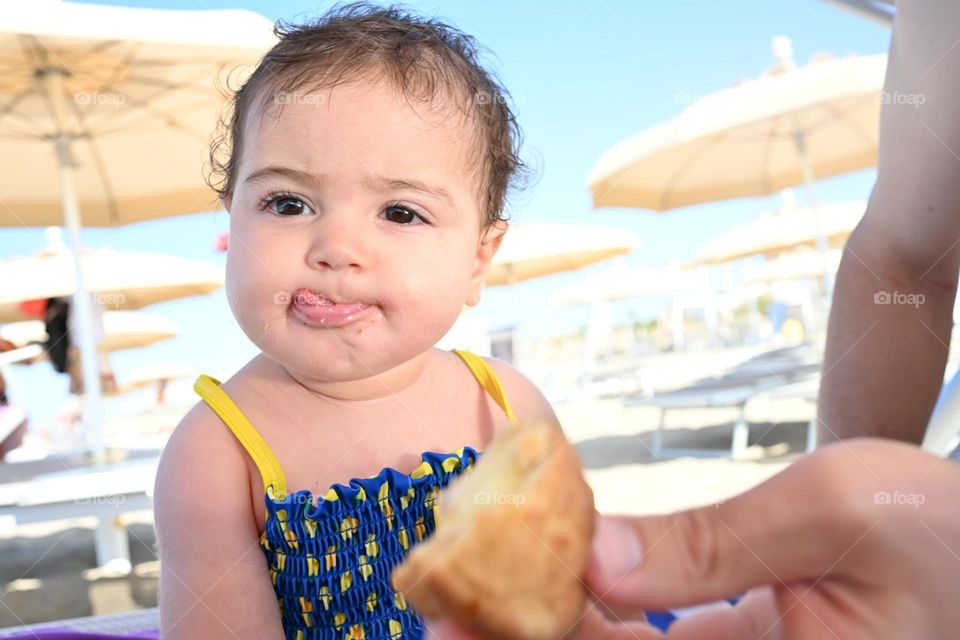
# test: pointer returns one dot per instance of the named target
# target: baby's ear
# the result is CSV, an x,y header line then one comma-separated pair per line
x,y
490,239
226,201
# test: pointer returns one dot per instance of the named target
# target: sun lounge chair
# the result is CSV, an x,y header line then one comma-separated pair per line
x,y
735,388
61,488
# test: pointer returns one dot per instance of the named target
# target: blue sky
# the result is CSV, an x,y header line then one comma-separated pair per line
x,y
584,74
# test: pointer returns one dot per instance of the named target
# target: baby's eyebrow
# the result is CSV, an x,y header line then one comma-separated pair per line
x,y
383,183
297,175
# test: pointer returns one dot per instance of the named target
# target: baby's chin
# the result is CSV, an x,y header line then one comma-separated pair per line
x,y
328,360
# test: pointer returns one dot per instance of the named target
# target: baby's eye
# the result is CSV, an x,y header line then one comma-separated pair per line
x,y
403,215
285,205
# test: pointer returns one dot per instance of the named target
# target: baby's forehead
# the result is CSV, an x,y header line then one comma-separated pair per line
x,y
291,118
444,109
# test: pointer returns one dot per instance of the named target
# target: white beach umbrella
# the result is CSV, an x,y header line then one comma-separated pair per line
x,y
795,265
794,125
115,280
533,250
116,105
789,127
121,330
778,231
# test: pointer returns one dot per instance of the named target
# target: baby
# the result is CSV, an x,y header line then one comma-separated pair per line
x,y
365,169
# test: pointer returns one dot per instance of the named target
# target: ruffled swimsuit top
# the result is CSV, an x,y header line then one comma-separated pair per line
x,y
330,562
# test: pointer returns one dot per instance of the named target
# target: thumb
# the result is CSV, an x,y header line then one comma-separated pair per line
x,y
781,531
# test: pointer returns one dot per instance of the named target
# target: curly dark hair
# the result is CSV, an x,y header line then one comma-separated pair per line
x,y
423,58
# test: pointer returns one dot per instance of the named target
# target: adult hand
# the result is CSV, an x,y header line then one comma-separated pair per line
x,y
858,540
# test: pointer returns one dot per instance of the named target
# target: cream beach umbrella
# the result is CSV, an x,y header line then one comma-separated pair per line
x,y
778,231
790,127
157,373
115,280
794,125
533,250
121,330
795,265
116,106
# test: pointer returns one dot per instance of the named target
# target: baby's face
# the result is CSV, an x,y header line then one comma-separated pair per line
x,y
355,231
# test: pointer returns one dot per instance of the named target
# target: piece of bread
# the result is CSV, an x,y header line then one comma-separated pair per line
x,y
512,541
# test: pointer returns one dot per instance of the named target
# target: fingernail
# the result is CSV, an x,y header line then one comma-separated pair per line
x,y
616,548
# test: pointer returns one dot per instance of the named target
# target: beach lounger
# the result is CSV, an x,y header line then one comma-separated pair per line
x,y
734,389
808,390
61,488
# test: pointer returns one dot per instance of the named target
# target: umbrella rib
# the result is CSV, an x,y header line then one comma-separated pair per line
x,y
170,120
33,50
147,80
765,181
13,134
118,71
97,47
164,88
109,195
106,86
678,174
842,116
9,109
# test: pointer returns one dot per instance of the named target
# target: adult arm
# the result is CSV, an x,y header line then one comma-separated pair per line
x,y
884,363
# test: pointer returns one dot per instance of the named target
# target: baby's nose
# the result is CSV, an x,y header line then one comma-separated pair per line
x,y
339,243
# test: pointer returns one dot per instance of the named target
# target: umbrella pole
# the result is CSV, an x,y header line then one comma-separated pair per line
x,y
52,80
81,301
808,180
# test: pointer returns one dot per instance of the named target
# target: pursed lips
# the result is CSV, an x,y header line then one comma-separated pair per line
x,y
317,309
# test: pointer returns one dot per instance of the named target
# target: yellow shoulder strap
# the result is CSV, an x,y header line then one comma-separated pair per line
x,y
273,480
488,379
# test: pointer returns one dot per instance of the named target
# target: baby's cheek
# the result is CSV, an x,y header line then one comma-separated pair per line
x,y
250,298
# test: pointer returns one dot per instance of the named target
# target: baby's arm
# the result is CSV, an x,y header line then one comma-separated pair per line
x,y
213,576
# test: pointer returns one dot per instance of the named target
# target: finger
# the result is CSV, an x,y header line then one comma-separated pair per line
x,y
755,616
781,531
598,625
447,630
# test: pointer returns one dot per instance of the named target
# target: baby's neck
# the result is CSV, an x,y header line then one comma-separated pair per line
x,y
391,384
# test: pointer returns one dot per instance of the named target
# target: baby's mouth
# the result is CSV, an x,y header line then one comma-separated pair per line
x,y
316,309
308,297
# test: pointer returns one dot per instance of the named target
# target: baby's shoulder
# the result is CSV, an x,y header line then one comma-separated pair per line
x,y
526,399
199,438
200,460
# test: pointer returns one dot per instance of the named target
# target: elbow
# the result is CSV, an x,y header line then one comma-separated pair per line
x,y
918,263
